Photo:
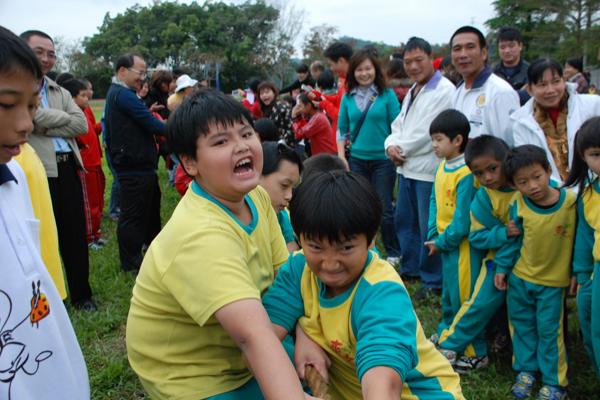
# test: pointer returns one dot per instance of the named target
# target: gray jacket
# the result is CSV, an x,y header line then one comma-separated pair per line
x,y
63,119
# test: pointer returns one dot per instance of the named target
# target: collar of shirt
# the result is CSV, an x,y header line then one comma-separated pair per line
x,y
43,93
6,175
456,162
480,80
119,82
434,81
361,98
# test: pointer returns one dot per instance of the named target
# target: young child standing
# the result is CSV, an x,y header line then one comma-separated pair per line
x,y
282,167
39,353
449,215
586,261
196,306
311,123
352,304
91,178
490,229
537,265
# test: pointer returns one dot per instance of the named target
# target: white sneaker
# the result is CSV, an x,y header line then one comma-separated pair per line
x,y
449,355
393,260
468,364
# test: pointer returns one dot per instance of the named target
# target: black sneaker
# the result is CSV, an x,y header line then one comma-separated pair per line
x,y
87,305
426,292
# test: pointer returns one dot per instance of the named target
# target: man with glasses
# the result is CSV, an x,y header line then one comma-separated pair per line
x,y
512,68
130,130
57,123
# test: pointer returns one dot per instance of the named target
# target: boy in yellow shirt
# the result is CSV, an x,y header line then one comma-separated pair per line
x,y
351,303
196,306
538,266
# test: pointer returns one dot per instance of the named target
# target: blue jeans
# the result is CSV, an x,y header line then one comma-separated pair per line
x,y
172,172
115,191
411,221
382,175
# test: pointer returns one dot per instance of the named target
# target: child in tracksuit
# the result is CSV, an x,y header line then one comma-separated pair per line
x,y
537,264
490,229
586,264
449,217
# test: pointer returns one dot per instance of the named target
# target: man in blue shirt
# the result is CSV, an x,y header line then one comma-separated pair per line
x,y
130,131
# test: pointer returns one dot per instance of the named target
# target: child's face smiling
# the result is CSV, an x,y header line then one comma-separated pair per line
x,y
488,171
228,162
18,104
337,265
280,183
533,182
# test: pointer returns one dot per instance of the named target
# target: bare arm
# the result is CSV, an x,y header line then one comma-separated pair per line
x,y
247,323
381,383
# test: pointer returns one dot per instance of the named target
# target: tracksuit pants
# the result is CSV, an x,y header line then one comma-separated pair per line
x,y
535,315
588,306
93,200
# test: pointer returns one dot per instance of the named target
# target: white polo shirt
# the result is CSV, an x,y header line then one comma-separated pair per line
x,y
488,105
40,357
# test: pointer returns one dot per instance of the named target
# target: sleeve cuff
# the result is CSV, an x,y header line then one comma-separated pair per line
x,y
503,270
583,277
501,235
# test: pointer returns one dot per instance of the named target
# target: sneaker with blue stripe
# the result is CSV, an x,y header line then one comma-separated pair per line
x,y
524,385
551,393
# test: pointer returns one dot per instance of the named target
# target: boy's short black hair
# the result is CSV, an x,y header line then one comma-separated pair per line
x,y
302,69
416,43
521,157
338,50
254,82
197,114
325,81
470,29
290,100
303,98
321,163
16,55
509,34
52,75
576,63
337,206
126,60
274,153
178,72
452,123
28,34
267,130
63,77
485,146
537,69
74,86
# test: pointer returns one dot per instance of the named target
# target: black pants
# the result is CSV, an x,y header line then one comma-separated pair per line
x,y
67,203
139,222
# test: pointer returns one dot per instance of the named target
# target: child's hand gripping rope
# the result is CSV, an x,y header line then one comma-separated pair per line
x,y
316,383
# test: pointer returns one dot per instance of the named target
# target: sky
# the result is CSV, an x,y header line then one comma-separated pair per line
x,y
389,21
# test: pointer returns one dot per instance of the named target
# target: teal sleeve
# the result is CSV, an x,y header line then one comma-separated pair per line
x,y
583,258
432,231
393,107
385,327
343,125
461,221
286,226
493,235
283,301
509,253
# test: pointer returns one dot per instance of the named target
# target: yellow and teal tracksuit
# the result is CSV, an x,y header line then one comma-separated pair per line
x,y
449,225
489,216
585,266
538,264
371,324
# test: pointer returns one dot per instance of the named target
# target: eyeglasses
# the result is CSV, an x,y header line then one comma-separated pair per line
x,y
137,72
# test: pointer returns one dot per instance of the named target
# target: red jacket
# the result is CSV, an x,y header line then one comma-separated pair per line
x,y
331,104
97,126
254,108
319,131
182,180
89,146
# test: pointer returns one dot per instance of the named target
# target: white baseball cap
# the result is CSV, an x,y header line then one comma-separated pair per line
x,y
184,81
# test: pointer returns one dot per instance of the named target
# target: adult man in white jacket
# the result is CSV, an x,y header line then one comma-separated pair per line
x,y
485,99
409,147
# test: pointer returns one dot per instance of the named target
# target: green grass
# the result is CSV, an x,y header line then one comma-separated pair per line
x,y
102,334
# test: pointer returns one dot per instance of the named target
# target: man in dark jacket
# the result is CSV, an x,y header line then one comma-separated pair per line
x,y
304,78
512,68
130,131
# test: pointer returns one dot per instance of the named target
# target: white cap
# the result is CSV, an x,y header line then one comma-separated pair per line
x,y
184,81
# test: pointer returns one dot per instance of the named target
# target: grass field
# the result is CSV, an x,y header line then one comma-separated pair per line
x,y
102,334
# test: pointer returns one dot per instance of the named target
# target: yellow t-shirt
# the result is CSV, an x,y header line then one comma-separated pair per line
x,y
175,98
202,260
42,209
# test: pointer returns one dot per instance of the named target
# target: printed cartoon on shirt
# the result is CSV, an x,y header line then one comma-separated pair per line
x,y
15,358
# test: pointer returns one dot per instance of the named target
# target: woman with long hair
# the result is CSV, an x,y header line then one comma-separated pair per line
x,y
366,93
279,112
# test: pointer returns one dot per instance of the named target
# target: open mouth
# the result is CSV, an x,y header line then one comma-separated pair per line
x,y
12,150
243,167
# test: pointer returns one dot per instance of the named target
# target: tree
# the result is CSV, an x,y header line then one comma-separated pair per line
x,y
317,41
